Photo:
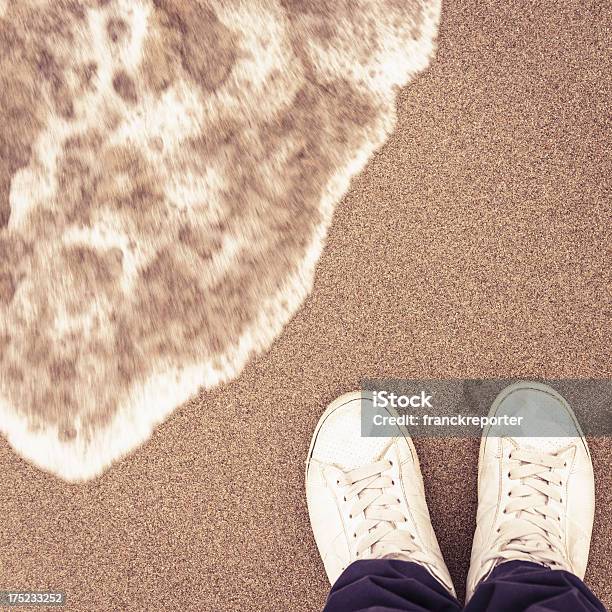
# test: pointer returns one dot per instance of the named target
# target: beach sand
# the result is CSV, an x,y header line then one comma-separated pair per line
x,y
473,245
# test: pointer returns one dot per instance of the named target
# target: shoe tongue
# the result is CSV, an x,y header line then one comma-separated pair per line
x,y
523,557
398,556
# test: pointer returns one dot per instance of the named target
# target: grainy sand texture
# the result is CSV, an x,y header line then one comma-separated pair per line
x,y
475,243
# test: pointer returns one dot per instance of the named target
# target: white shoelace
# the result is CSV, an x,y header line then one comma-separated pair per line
x,y
377,535
533,529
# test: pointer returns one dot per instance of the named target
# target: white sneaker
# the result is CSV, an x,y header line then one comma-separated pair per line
x,y
365,495
535,495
